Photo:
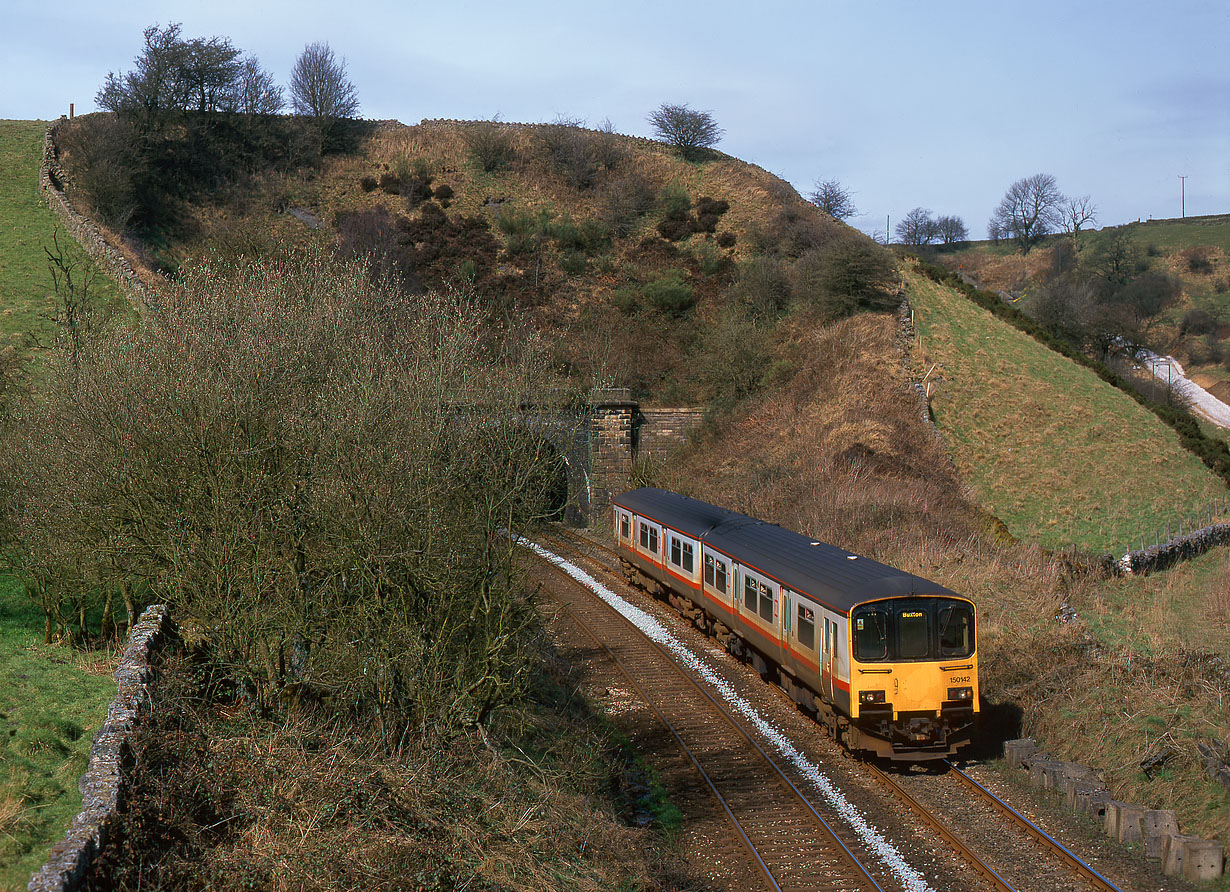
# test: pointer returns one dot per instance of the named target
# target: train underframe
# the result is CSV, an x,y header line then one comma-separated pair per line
x,y
911,737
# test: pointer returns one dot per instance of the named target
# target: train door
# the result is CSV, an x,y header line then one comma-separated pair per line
x,y
827,659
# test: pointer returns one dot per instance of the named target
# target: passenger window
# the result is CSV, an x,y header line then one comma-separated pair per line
x,y
749,594
766,603
807,627
653,539
956,631
913,634
721,576
709,570
644,535
870,636
676,559
624,527
688,559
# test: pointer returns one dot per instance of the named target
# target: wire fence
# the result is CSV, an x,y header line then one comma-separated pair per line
x,y
1217,511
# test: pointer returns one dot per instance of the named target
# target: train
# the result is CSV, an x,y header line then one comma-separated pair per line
x,y
885,660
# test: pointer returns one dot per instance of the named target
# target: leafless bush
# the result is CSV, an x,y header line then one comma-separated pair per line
x,y
318,468
491,145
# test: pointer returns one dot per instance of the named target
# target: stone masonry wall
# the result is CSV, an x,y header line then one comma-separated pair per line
x,y
103,784
87,234
660,431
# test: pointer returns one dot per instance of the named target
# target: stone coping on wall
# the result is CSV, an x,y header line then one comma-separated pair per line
x,y
103,784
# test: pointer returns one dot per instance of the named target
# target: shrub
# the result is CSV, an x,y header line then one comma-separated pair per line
x,y
675,230
763,287
1197,322
570,151
1152,250
277,450
491,145
1199,259
624,200
390,183
1222,285
726,239
368,183
443,194
573,262
675,201
847,277
416,190
715,207
670,294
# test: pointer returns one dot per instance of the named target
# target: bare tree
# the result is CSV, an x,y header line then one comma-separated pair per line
x,y
688,130
1029,210
154,92
916,229
324,471
1077,213
834,199
258,94
950,230
319,87
210,72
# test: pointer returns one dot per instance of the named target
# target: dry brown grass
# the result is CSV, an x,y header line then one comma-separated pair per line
x,y
230,801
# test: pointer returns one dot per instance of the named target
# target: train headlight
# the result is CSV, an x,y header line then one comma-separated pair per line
x,y
871,697
960,693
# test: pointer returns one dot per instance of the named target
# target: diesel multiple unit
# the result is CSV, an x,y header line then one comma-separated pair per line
x,y
885,659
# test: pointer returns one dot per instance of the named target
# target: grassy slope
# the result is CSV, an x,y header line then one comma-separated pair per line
x,y
1058,455
50,698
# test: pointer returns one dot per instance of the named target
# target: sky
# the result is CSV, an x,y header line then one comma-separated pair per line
x,y
936,105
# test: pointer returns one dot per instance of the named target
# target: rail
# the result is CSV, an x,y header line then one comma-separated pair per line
x,y
778,865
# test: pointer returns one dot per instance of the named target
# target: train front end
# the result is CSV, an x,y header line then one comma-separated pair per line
x,y
913,676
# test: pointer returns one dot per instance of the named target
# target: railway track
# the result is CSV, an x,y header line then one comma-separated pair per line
x,y
1064,864
1066,867
790,845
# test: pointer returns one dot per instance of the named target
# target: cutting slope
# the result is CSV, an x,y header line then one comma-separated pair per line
x,y
1057,454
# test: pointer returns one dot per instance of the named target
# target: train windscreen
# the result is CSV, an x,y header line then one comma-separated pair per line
x,y
913,629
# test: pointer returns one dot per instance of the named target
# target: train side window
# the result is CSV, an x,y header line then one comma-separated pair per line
x,y
644,534
913,633
720,575
625,527
709,570
750,590
956,624
676,551
870,636
766,603
807,627
653,539
689,560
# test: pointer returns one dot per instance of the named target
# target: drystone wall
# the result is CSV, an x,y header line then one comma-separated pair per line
x,y
51,182
1180,548
103,784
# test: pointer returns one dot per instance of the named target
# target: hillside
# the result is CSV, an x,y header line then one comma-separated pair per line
x,y
619,251
1057,454
714,283
1192,323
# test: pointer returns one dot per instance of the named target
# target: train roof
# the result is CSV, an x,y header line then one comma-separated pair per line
x,y
839,578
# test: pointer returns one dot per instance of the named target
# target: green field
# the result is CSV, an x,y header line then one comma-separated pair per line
x,y
52,699
1055,453
26,226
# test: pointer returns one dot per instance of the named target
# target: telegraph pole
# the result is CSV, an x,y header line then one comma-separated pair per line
x,y
1183,195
